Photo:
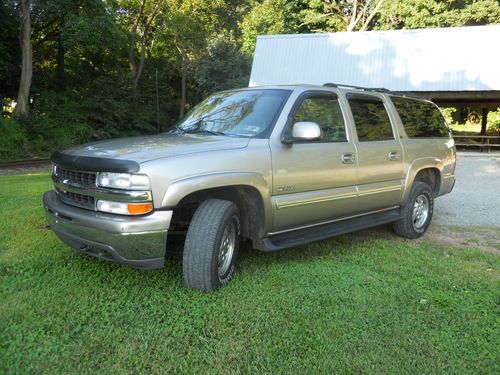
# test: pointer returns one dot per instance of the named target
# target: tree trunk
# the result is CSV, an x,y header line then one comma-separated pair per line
x,y
354,16
131,51
183,84
27,64
484,120
371,15
138,70
132,45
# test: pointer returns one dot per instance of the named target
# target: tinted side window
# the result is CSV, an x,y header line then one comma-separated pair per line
x,y
420,119
326,112
371,120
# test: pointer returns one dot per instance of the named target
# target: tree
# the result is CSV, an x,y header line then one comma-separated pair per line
x,y
412,14
343,15
26,61
223,66
281,16
10,52
268,17
139,17
187,26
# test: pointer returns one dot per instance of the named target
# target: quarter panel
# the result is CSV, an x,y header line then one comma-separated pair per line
x,y
429,153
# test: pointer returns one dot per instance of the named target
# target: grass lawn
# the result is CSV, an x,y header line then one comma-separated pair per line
x,y
355,304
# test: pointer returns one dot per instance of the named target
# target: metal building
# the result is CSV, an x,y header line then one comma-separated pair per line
x,y
452,66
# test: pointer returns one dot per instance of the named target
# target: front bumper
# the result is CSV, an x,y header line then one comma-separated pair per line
x,y
137,241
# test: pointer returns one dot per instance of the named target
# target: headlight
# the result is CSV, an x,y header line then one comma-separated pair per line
x,y
126,181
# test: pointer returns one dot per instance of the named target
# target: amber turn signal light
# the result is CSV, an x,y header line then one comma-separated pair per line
x,y
139,208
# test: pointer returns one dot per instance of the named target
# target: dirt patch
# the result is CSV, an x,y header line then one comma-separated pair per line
x,y
484,238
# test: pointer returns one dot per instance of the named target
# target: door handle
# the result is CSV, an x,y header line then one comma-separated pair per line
x,y
393,155
348,158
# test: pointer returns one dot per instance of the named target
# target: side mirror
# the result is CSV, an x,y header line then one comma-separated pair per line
x,y
303,131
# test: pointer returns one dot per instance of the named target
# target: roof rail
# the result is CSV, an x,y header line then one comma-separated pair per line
x,y
376,89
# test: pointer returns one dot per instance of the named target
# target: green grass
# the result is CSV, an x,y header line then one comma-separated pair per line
x,y
355,304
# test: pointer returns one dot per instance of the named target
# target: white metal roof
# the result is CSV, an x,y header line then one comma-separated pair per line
x,y
443,59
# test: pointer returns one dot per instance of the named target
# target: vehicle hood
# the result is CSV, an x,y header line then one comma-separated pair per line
x,y
146,148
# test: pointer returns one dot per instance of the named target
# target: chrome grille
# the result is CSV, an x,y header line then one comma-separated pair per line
x,y
87,178
74,199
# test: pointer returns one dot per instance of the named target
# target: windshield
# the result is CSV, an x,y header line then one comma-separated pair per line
x,y
245,113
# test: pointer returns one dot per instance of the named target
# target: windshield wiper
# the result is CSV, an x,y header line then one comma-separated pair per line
x,y
203,131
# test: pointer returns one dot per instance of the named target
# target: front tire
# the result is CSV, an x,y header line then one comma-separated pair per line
x,y
212,245
417,213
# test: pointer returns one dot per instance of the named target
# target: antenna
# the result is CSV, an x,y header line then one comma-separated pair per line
x,y
157,102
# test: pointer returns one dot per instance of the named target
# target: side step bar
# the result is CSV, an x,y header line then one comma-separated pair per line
x,y
301,237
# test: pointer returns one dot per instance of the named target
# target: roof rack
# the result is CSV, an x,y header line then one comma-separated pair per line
x,y
376,89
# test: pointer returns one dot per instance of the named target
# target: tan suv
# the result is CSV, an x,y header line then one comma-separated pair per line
x,y
281,166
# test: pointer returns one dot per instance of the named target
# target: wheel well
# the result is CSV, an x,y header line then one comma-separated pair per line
x,y
432,177
247,198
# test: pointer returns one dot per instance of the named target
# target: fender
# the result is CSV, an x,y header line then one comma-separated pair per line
x,y
416,166
182,188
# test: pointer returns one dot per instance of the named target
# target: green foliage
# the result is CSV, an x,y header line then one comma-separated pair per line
x,y
83,87
223,67
412,14
268,17
494,120
9,52
463,125
45,134
39,135
365,302
14,142
448,113
80,36
115,109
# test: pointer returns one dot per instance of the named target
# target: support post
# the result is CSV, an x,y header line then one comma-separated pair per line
x,y
484,120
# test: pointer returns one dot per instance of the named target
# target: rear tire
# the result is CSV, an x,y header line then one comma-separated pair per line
x,y
417,213
212,244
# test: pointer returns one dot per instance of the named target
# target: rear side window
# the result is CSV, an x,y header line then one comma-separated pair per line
x,y
371,119
420,119
325,111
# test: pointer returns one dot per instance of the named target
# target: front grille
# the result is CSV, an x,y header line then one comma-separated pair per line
x,y
76,176
75,199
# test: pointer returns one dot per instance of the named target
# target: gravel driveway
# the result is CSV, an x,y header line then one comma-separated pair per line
x,y
475,200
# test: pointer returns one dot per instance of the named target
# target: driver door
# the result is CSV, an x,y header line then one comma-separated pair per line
x,y
314,181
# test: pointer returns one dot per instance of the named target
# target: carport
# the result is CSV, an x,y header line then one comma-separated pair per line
x,y
443,64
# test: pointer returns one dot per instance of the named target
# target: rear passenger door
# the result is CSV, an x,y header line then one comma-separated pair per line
x,y
380,154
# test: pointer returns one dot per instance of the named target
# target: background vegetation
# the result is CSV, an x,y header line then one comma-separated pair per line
x,y
125,67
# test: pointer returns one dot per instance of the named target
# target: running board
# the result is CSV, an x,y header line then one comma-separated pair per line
x,y
301,237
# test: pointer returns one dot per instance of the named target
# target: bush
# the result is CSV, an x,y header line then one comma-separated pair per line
x,y
40,135
108,108
14,144
47,134
494,120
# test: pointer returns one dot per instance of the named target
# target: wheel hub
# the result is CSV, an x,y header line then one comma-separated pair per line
x,y
420,211
226,248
